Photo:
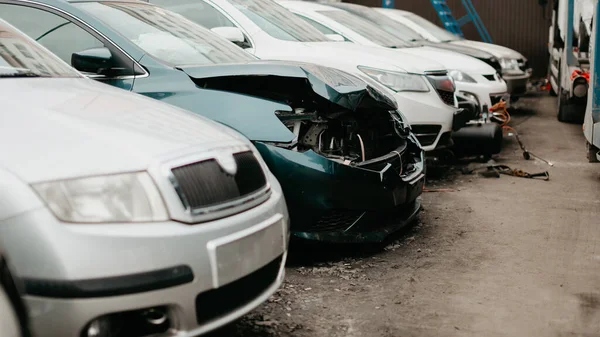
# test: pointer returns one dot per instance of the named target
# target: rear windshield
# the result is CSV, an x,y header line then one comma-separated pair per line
x,y
365,28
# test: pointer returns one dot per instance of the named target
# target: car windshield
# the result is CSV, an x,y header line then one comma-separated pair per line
x,y
278,21
437,31
389,25
166,35
365,28
21,57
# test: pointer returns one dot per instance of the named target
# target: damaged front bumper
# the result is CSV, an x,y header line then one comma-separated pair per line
x,y
333,202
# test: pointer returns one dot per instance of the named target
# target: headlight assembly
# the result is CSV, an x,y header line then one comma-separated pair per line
x,y
460,76
509,64
129,197
397,81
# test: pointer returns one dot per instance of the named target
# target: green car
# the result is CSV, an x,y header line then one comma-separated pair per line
x,y
350,168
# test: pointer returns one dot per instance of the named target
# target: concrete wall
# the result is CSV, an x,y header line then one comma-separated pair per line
x,y
518,24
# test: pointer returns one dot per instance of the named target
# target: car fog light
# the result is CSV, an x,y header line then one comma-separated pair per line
x,y
100,327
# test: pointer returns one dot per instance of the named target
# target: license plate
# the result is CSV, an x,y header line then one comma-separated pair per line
x,y
243,252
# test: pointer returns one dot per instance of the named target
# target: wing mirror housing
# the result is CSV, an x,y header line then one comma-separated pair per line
x,y
232,34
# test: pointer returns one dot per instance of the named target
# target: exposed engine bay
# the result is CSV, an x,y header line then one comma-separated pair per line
x,y
344,136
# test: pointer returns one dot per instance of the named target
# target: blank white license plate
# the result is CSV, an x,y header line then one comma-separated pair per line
x,y
241,253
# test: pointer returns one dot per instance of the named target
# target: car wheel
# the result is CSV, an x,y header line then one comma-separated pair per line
x,y
591,153
552,91
14,321
562,105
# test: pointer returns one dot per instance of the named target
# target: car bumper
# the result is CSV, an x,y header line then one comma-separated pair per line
x,y
517,84
430,118
485,92
330,201
76,273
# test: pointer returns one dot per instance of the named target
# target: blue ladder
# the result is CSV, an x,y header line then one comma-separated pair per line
x,y
452,25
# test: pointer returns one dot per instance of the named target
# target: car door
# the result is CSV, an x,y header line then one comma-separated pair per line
x,y
65,37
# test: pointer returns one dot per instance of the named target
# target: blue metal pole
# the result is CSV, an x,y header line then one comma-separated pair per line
x,y
387,3
596,69
571,61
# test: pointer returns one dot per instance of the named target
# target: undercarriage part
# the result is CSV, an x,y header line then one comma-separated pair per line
x,y
478,139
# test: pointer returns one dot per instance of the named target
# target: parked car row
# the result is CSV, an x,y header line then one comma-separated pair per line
x,y
153,171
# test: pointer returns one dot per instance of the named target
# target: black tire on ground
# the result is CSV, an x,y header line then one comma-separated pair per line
x,y
591,153
562,105
552,91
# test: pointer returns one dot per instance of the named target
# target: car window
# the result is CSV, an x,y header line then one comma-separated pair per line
x,y
165,34
364,28
437,31
19,55
323,29
197,11
391,26
278,22
59,35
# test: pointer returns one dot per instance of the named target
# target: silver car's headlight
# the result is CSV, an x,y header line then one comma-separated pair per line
x,y
460,76
509,64
396,81
129,197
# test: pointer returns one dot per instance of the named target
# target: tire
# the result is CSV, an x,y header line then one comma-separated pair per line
x,y
563,114
591,153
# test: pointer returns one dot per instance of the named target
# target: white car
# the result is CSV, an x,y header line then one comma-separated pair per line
x,y
515,68
473,78
422,88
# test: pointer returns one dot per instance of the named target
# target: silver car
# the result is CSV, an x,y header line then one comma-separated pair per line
x,y
124,216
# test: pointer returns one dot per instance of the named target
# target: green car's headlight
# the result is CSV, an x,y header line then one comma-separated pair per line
x,y
459,76
129,197
397,81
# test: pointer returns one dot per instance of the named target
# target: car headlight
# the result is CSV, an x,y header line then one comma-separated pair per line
x,y
397,81
460,76
129,197
509,64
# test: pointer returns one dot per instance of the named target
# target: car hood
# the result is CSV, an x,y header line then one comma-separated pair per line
x,y
53,128
376,57
473,52
289,82
494,49
452,60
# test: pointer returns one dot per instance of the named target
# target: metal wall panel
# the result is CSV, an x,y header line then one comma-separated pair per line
x,y
521,25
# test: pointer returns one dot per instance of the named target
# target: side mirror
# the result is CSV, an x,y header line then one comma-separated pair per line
x,y
96,61
335,37
232,34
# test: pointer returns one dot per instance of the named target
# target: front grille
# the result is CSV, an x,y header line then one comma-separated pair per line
x,y
490,77
446,96
205,183
426,134
218,302
336,219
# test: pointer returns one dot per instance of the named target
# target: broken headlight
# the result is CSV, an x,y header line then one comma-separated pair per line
x,y
397,81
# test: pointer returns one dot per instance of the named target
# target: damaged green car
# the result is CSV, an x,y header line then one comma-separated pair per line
x,y
350,168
